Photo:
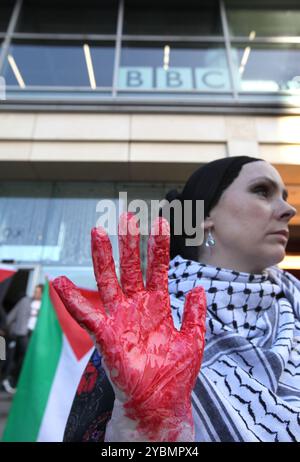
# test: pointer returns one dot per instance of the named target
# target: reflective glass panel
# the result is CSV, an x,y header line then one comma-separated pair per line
x,y
6,8
23,216
172,18
51,222
272,19
267,69
59,65
78,17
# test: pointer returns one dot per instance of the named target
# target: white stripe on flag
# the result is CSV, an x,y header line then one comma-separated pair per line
x,y
7,267
68,373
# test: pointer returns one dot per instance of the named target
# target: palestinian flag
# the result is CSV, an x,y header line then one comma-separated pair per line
x,y
57,354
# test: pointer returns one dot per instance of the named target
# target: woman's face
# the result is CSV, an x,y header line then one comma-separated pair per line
x,y
246,217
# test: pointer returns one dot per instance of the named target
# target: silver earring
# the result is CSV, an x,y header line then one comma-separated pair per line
x,y
210,241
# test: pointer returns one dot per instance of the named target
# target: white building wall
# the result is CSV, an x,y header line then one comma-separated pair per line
x,y
130,146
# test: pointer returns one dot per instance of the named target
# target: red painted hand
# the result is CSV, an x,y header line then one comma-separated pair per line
x,y
152,366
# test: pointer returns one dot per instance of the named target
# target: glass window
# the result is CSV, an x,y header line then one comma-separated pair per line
x,y
23,211
6,8
72,216
81,276
81,17
171,18
271,20
185,67
266,68
147,192
51,222
62,65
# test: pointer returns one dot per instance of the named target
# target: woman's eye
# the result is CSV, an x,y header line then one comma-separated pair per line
x,y
262,190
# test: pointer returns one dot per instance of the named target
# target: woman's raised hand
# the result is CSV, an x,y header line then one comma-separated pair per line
x,y
151,365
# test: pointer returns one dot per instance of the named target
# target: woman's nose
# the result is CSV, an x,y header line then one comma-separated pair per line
x,y
289,212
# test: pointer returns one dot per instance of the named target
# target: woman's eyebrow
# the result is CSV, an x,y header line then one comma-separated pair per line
x,y
273,183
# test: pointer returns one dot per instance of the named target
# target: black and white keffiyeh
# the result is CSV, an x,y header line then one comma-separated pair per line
x,y
248,388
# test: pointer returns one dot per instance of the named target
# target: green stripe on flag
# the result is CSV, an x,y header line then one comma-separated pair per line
x,y
36,377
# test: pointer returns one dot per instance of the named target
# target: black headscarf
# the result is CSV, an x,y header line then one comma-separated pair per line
x,y
206,183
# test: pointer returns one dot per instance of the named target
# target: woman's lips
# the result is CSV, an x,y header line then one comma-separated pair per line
x,y
282,236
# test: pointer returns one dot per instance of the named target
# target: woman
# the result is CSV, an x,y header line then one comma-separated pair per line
x,y
248,388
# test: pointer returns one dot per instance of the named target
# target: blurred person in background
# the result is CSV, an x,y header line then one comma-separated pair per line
x,y
20,323
35,308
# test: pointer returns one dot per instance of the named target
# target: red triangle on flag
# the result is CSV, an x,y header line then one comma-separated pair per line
x,y
6,273
78,338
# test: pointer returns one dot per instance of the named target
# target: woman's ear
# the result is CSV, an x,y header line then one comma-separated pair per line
x,y
208,223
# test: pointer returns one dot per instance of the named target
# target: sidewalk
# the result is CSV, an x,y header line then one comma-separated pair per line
x,y
5,402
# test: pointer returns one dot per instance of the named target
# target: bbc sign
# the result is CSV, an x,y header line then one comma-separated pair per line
x,y
175,78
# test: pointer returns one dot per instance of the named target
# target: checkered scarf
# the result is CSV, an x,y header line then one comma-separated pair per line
x,y
248,388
